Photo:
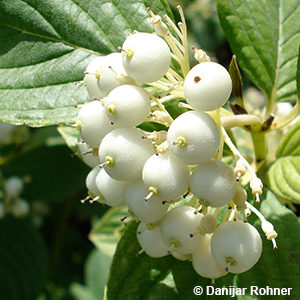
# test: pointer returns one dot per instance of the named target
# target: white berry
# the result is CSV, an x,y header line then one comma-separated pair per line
x,y
123,153
204,263
151,242
20,208
94,124
214,183
13,186
207,86
111,191
146,57
89,155
179,229
127,105
167,175
104,74
236,246
193,137
90,182
150,211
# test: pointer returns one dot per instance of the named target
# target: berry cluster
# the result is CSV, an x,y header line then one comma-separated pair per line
x,y
156,173
11,202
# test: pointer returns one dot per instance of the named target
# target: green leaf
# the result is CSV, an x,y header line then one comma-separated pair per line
x,y
290,143
70,135
47,136
106,233
264,35
276,268
54,173
135,276
96,273
284,178
81,292
22,259
298,75
46,45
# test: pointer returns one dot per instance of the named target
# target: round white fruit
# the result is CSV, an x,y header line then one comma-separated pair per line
x,y
179,229
150,211
236,246
207,86
193,137
94,124
89,155
111,191
104,74
240,198
90,182
20,208
204,263
13,186
146,57
127,105
182,257
151,242
208,224
167,175
124,152
214,183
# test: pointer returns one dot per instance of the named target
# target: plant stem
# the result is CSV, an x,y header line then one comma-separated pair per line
x,y
239,120
260,146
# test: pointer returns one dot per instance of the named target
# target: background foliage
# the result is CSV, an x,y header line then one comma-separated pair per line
x,y
44,48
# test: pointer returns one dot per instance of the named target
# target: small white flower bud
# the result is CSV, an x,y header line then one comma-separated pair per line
x,y
200,55
161,117
240,169
256,186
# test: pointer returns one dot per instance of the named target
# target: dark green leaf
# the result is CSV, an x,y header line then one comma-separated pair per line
x,y
55,173
46,45
290,143
135,276
284,178
106,233
22,259
264,35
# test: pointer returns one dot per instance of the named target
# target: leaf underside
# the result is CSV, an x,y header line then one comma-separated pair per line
x,y
22,259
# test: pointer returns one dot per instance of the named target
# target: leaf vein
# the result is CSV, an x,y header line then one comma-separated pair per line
x,y
253,47
40,62
289,38
291,13
44,18
98,25
121,14
288,60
